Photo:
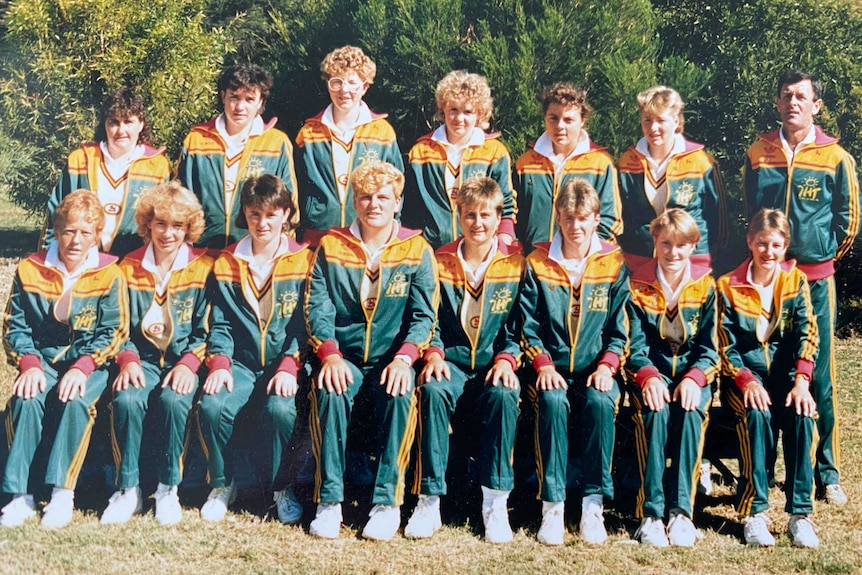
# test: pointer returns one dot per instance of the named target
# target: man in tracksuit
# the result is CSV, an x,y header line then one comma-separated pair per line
x,y
370,311
805,173
469,370
575,334
219,155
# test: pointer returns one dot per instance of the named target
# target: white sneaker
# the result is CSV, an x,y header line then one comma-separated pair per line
x,y
757,531
58,513
425,520
383,522
17,511
497,528
217,503
704,482
327,521
802,531
168,508
652,532
287,506
553,527
122,505
681,532
835,495
592,526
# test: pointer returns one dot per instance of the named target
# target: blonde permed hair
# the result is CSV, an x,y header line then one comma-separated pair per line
x,y
170,201
373,175
460,86
348,59
655,101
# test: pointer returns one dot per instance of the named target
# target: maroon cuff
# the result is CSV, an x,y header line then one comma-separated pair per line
x,y
743,377
86,364
126,357
289,364
507,226
191,361
612,360
434,349
804,367
644,374
218,362
819,271
541,360
327,348
507,357
29,361
698,376
409,350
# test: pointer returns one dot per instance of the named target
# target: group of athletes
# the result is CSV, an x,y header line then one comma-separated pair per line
x,y
442,298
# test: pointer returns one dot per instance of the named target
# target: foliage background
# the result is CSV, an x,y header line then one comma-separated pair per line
x,y
59,58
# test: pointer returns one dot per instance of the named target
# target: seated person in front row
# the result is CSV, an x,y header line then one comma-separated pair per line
x,y
256,336
470,367
575,332
167,281
673,361
66,316
768,344
370,310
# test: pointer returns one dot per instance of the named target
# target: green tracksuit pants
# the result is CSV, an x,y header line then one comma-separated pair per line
x,y
128,410
393,427
823,382
592,416
217,415
486,412
755,429
24,424
671,433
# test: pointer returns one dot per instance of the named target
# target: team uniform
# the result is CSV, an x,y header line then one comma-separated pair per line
x,y
818,191
478,325
575,326
168,319
118,185
437,170
56,321
673,336
689,179
769,344
368,310
256,331
538,179
214,166
326,157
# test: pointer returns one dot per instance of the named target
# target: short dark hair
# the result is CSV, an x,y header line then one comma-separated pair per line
x,y
794,76
266,191
566,95
246,75
122,104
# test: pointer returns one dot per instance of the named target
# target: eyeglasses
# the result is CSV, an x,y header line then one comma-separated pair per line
x,y
339,84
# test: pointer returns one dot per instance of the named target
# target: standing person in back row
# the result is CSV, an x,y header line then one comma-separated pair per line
x,y
663,171
801,171
458,150
219,155
563,152
338,140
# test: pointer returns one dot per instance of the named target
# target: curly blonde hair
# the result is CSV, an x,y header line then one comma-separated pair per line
x,y
170,201
459,86
655,101
80,204
348,59
375,174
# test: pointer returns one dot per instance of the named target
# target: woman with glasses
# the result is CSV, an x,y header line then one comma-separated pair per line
x,y
340,138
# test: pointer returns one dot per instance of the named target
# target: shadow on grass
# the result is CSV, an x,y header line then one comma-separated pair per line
x,y
18,243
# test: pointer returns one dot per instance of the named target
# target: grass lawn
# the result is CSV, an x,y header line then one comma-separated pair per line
x,y
246,543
